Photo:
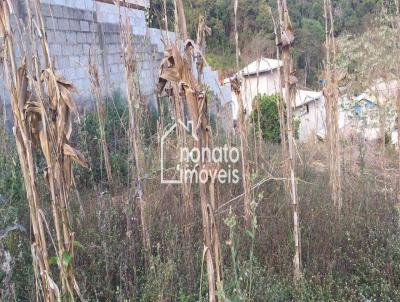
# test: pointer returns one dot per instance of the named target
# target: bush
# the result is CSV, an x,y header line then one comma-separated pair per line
x,y
267,121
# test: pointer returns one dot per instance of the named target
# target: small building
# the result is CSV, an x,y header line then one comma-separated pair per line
x,y
263,77
260,77
362,113
310,112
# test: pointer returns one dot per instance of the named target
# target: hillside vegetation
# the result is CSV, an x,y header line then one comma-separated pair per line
x,y
256,30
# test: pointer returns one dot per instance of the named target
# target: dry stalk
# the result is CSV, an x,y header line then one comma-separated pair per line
x,y
17,84
51,120
43,121
134,133
99,106
289,92
281,104
177,71
398,141
244,146
330,91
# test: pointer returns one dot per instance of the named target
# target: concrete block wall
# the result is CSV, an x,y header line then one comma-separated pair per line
x,y
76,28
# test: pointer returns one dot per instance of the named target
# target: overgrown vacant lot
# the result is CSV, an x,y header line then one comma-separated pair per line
x,y
350,257
179,199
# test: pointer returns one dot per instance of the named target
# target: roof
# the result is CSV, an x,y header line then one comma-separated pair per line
x,y
262,65
306,96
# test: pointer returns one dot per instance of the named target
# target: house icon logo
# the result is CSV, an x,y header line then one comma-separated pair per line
x,y
199,164
189,128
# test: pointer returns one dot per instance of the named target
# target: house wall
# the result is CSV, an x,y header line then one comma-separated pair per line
x,y
313,122
268,83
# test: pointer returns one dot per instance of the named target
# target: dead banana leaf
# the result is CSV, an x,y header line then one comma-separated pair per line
x,y
44,144
75,155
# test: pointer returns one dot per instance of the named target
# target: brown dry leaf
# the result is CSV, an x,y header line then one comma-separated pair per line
x,y
22,85
75,155
45,146
67,171
67,99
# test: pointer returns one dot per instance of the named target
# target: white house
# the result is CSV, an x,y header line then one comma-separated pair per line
x,y
260,77
310,112
263,77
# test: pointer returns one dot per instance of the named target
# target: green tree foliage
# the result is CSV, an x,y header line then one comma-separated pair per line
x,y
255,28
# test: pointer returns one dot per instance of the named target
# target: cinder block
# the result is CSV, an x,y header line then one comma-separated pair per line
x,y
63,24
86,49
77,50
68,50
74,62
87,15
71,38
89,37
55,50
77,14
80,72
51,36
45,9
93,27
67,12
51,23
84,26
84,60
60,37
70,74
81,37
62,62
74,25
57,11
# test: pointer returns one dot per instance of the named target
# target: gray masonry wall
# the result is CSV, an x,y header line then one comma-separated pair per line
x,y
77,28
